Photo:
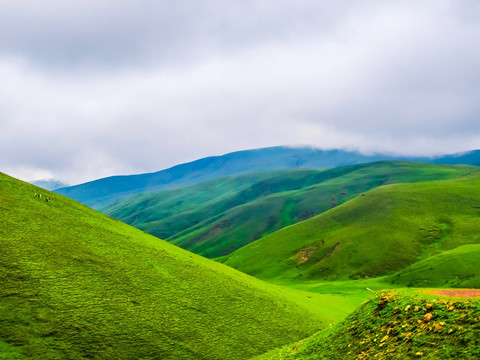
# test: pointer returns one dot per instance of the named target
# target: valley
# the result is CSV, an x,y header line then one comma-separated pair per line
x,y
220,216
337,262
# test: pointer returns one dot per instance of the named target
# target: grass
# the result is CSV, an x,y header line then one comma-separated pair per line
x,y
456,268
396,325
76,284
216,218
382,232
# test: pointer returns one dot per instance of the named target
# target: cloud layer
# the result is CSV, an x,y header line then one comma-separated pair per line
x,y
96,88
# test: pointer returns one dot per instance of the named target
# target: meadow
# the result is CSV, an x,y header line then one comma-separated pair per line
x,y
352,280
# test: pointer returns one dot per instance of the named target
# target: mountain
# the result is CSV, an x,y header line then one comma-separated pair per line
x,y
75,284
220,216
106,191
396,325
375,234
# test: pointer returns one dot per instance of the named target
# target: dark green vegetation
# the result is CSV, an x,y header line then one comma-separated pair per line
x,y
381,232
76,284
220,216
103,192
397,326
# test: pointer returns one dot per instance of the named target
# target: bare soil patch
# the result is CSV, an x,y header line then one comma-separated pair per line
x,y
464,293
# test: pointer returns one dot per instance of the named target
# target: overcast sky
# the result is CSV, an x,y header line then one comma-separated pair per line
x,y
92,88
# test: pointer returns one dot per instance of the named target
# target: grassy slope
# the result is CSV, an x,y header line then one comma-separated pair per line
x,y
76,284
381,232
218,217
393,326
453,268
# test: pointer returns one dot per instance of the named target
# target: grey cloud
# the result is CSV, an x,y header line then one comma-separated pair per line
x,y
123,32
91,89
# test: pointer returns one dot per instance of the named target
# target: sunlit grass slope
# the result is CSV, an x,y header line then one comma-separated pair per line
x,y
75,284
455,268
218,217
378,233
396,326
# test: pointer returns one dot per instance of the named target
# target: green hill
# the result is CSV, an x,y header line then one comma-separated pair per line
x,y
75,284
396,326
103,192
457,268
221,216
378,233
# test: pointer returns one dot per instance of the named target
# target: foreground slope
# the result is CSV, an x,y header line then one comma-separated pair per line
x,y
76,284
396,326
220,216
106,191
378,233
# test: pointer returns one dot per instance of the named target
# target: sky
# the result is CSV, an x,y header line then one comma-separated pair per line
x,y
93,88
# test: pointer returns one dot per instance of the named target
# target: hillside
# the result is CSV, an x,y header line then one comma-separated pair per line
x,y
106,191
378,233
396,326
221,216
76,284
456,268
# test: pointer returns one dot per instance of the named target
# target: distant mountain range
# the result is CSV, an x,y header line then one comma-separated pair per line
x,y
100,193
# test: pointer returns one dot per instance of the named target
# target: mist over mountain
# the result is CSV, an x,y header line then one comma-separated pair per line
x,y
106,191
49,184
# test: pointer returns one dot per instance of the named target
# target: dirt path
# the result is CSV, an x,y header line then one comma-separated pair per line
x,y
465,293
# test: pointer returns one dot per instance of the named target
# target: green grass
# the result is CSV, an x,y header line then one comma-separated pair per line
x,y
394,326
76,284
216,218
457,268
379,233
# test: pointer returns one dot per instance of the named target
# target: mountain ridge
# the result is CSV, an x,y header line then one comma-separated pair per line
x,y
102,192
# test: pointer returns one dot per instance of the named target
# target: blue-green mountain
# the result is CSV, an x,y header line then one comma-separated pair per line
x,y
106,191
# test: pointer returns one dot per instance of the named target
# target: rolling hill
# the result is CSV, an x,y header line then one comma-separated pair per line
x,y
396,325
77,284
106,191
456,268
218,217
381,232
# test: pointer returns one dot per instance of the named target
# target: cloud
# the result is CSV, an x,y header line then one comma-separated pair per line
x,y
99,88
